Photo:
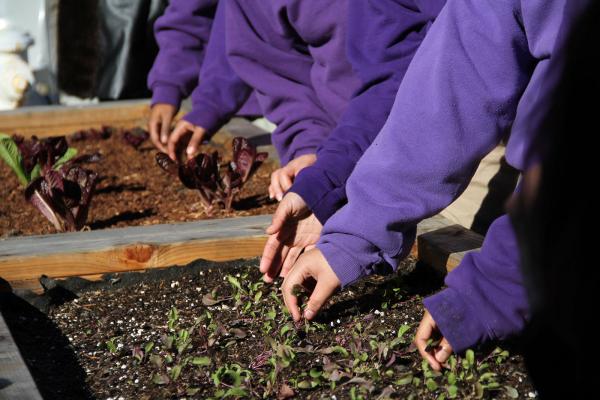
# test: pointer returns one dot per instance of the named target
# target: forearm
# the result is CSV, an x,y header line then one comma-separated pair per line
x,y
182,34
485,298
283,74
454,105
382,39
220,92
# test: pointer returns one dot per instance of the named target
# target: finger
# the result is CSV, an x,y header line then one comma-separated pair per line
x,y
178,132
310,247
275,185
153,127
195,142
422,336
165,127
318,298
290,260
271,274
290,300
271,193
282,213
285,180
271,256
443,351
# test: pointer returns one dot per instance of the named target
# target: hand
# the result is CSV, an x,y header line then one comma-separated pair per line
x,y
187,132
159,125
435,357
311,271
281,179
294,228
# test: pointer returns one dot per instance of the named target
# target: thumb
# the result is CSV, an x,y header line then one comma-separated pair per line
x,y
318,298
443,352
282,213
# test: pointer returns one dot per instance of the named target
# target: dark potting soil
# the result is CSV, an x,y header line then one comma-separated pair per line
x,y
132,190
215,330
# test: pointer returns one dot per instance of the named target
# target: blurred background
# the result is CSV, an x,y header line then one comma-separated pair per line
x,y
75,51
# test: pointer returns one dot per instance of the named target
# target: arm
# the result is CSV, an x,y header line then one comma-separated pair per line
x,y
181,33
458,99
485,298
383,37
220,92
281,74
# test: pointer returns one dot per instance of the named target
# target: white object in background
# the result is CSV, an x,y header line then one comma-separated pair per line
x,y
15,74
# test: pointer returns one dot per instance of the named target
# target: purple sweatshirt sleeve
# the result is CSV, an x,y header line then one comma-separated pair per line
x,y
485,298
220,92
460,95
293,54
383,36
182,33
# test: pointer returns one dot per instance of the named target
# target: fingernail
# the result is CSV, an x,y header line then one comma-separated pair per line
x,y
190,150
308,313
163,139
279,197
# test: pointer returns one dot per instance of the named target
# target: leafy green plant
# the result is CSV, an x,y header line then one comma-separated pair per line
x,y
54,181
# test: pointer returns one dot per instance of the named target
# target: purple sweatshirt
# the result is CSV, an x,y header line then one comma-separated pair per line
x,y
480,71
292,52
383,36
182,34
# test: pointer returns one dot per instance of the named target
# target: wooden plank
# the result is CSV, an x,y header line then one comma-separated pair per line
x,y
58,120
442,244
130,249
16,383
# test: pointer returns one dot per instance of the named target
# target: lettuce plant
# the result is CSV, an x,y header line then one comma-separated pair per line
x,y
54,181
215,184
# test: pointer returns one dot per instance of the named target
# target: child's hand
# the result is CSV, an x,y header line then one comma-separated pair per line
x,y
437,356
281,179
185,130
310,271
159,124
294,228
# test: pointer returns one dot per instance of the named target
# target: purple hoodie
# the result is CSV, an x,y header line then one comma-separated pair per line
x,y
480,71
383,36
182,34
292,53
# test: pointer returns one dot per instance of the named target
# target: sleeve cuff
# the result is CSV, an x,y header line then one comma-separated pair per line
x,y
312,186
206,117
345,267
455,320
166,94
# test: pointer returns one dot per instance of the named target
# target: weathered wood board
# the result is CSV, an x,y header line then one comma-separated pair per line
x,y
442,244
23,260
57,120
16,382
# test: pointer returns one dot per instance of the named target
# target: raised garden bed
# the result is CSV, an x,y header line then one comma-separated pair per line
x,y
215,330
131,190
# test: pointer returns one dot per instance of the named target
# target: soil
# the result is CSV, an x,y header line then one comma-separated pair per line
x,y
132,190
112,340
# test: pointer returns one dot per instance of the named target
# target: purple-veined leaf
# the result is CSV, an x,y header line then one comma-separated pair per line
x,y
135,137
37,194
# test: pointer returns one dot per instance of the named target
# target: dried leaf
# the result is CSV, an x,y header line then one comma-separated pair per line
x,y
208,300
160,379
285,392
